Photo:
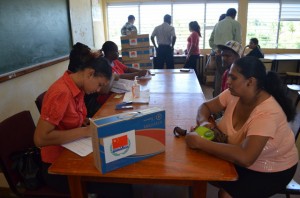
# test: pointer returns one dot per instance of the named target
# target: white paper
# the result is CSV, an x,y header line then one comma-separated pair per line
x,y
122,86
82,147
144,97
147,76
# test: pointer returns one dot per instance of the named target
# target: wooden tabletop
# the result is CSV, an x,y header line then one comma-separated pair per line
x,y
180,95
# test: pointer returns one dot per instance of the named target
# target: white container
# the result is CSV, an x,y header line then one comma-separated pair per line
x,y
135,88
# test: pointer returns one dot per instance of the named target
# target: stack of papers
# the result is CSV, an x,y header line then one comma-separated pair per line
x,y
144,97
122,86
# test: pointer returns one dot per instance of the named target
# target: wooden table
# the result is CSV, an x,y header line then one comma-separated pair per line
x,y
282,57
180,95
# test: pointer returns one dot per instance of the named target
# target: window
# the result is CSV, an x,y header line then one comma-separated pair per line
x,y
182,12
275,25
117,17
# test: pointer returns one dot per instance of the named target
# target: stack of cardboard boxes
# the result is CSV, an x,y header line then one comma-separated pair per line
x,y
136,51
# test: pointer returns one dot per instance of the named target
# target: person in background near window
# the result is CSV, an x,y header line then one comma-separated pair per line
x,y
111,53
260,141
225,30
255,49
63,118
193,51
230,52
128,27
211,38
166,38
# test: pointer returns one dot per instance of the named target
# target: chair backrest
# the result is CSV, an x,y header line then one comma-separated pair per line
x,y
16,134
39,101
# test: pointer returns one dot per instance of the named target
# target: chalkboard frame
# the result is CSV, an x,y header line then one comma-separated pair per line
x,y
31,68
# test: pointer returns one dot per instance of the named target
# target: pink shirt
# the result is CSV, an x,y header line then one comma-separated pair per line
x,y
193,40
63,106
267,119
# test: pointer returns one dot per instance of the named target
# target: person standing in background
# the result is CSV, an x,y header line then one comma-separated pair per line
x,y
166,38
255,49
128,27
225,30
193,51
211,39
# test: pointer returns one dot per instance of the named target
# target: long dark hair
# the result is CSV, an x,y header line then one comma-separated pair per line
x,y
250,66
193,25
100,65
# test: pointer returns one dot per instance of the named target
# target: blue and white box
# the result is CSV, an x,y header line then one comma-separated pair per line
x,y
126,138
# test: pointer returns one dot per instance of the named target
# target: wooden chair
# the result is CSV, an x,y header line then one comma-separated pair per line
x,y
39,101
16,134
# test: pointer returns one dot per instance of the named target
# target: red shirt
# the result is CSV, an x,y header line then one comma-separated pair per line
x,y
118,67
224,80
63,106
193,40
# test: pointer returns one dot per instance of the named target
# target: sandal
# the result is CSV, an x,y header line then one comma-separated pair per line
x,y
179,131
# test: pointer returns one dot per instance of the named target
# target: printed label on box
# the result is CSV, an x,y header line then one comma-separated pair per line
x,y
136,65
133,54
119,146
133,41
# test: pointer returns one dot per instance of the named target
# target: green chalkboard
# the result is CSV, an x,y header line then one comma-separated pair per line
x,y
33,32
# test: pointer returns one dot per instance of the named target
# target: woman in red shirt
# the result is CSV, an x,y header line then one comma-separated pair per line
x,y
63,117
193,51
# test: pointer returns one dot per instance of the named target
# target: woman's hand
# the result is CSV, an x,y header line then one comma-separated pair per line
x,y
86,122
193,140
142,72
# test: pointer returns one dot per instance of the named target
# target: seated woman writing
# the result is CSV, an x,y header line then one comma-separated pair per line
x,y
63,119
255,48
259,140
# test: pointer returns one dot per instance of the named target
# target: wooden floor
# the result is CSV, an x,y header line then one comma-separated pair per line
x,y
160,191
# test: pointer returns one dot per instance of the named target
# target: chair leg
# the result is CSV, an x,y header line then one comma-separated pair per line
x,y
287,195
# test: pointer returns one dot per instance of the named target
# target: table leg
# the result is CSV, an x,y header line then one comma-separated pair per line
x,y
77,189
199,189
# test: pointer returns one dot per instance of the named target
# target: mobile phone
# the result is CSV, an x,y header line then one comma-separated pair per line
x,y
184,70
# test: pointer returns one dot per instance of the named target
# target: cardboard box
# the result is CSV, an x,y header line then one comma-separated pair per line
x,y
135,54
135,41
126,138
140,64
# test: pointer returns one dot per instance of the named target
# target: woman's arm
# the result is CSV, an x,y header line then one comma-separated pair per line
x,y
130,73
244,154
45,134
207,109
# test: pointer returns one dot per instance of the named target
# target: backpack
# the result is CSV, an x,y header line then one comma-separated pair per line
x,y
29,166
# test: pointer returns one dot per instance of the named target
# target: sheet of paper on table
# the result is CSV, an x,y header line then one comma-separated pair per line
x,y
144,97
82,146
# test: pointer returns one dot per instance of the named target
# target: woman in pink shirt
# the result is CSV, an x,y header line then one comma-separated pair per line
x,y
259,140
192,50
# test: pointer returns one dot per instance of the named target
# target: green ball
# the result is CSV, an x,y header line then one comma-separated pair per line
x,y
205,132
